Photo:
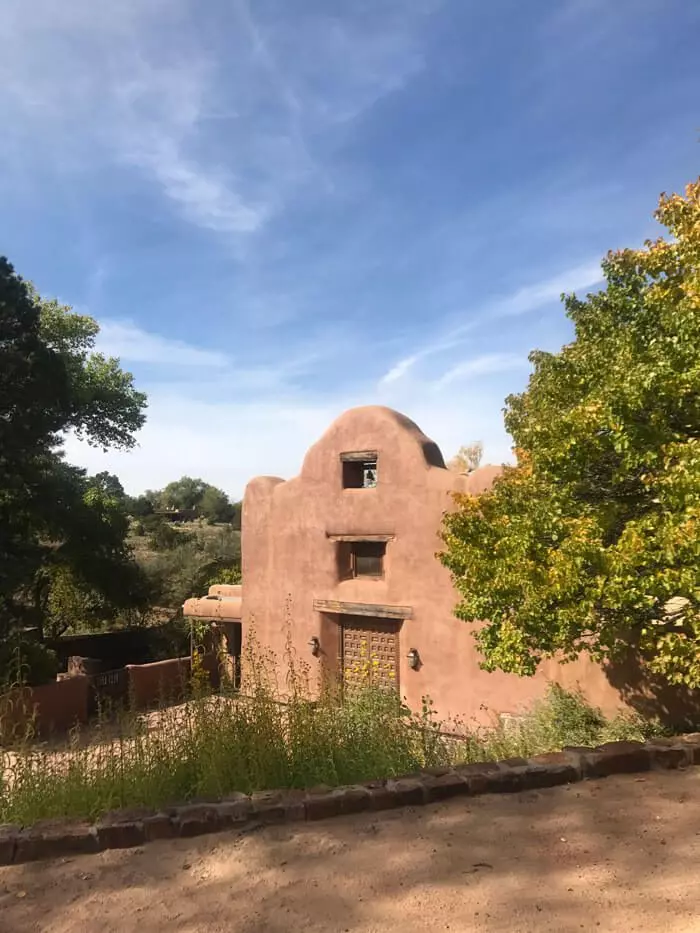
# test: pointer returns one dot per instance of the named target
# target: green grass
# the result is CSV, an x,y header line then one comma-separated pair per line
x,y
213,745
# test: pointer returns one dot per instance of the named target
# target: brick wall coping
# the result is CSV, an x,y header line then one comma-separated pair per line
x,y
134,827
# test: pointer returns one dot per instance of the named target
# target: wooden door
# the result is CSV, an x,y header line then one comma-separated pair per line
x,y
370,652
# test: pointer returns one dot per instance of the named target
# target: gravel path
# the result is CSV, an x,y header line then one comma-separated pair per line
x,y
622,854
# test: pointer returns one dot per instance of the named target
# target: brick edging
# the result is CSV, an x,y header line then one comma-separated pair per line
x,y
133,827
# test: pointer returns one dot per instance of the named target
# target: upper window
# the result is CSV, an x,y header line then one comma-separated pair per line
x,y
367,558
360,559
359,470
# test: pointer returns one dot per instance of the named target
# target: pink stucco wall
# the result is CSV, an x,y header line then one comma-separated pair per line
x,y
289,560
166,681
53,708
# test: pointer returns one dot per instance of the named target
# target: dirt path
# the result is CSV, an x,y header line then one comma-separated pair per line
x,y
621,854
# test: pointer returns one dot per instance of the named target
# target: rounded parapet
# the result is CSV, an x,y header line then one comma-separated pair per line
x,y
214,607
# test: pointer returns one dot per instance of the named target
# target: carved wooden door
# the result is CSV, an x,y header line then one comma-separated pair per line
x,y
370,653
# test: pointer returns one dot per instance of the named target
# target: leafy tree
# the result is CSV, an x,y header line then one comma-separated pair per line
x,y
195,560
215,505
467,459
104,407
592,541
110,485
184,493
190,494
141,506
91,578
51,516
237,508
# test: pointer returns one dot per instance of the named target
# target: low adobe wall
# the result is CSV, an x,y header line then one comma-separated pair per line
x,y
54,707
57,707
161,680
166,681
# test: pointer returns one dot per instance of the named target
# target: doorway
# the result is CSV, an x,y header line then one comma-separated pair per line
x,y
369,652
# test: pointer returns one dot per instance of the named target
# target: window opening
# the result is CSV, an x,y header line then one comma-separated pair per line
x,y
367,558
359,471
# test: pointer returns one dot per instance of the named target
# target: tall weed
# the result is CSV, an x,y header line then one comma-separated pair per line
x,y
270,735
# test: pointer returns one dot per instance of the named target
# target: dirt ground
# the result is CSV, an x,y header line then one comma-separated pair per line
x,y
622,854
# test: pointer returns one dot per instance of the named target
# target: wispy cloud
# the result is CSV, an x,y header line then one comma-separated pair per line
x,y
399,369
532,297
262,52
449,342
160,110
129,342
142,83
206,199
485,364
268,370
524,300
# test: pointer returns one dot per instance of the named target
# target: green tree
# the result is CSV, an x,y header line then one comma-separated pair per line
x,y
195,495
104,407
141,506
110,485
184,493
591,543
188,566
90,579
237,509
51,516
215,505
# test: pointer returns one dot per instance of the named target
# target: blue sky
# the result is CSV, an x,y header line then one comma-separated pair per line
x,y
278,210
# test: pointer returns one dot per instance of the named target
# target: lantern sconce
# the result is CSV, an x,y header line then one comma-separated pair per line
x,y
414,661
315,646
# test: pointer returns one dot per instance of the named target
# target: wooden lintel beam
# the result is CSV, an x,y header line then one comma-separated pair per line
x,y
365,456
360,537
363,609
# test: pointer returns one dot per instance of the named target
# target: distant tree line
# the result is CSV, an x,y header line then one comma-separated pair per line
x,y
186,495
183,558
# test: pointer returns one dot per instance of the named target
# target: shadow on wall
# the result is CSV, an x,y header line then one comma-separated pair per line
x,y
677,707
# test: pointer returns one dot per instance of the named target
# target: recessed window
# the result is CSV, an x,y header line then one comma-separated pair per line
x,y
361,559
359,470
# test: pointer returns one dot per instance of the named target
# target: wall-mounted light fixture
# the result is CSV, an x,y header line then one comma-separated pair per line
x,y
414,661
315,646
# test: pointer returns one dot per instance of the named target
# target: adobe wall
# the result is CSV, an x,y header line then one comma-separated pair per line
x,y
55,707
165,681
288,561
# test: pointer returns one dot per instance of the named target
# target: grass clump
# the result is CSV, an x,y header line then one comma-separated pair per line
x,y
212,745
562,718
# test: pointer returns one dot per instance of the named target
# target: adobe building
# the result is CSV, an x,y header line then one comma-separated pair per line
x,y
343,558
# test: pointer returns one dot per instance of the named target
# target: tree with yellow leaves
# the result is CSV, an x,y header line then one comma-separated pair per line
x,y
592,542
467,458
